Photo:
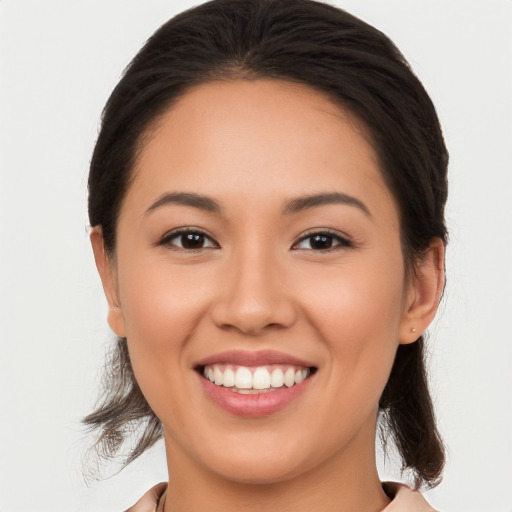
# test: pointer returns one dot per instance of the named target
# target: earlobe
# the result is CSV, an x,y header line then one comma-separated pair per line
x,y
424,294
106,270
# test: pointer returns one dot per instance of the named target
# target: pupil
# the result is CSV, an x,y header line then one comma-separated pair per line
x,y
321,242
192,240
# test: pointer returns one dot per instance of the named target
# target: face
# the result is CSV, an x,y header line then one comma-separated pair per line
x,y
259,248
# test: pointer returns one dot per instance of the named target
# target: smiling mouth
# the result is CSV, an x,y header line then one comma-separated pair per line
x,y
251,380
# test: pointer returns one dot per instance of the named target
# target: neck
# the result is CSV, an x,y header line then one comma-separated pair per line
x,y
347,481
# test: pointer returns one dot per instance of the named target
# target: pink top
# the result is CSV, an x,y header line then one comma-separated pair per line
x,y
405,500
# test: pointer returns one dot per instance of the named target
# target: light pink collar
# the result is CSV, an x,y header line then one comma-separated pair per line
x,y
405,499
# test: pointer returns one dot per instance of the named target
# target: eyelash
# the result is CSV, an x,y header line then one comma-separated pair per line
x,y
343,242
166,240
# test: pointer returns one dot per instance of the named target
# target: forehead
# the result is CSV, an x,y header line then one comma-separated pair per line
x,y
256,139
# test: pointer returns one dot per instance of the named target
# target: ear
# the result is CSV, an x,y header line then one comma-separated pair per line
x,y
424,293
107,272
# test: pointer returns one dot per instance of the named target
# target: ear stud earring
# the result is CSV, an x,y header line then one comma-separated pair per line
x,y
413,329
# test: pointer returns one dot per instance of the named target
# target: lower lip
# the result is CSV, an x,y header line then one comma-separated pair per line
x,y
261,404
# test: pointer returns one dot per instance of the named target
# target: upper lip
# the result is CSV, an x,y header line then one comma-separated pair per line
x,y
250,358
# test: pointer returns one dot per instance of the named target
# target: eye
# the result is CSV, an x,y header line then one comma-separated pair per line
x,y
322,241
188,239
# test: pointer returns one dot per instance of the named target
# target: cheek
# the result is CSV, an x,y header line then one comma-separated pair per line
x,y
357,299
159,299
357,311
162,306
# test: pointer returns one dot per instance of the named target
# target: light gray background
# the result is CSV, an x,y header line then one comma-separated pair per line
x,y
59,61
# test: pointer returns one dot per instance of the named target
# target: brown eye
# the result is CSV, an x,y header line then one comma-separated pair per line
x,y
322,242
192,241
188,240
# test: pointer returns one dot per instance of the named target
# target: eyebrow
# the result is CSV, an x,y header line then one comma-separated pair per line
x,y
314,201
187,199
296,205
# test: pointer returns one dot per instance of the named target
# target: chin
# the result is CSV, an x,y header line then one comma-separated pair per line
x,y
260,471
264,457
245,456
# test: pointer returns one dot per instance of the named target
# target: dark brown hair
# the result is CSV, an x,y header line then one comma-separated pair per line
x,y
360,69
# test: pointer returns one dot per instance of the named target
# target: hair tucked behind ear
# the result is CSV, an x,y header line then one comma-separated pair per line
x,y
360,69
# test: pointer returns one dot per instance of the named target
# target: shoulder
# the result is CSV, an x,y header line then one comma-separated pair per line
x,y
149,502
405,499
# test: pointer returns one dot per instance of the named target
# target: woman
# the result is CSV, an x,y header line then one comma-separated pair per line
x,y
266,198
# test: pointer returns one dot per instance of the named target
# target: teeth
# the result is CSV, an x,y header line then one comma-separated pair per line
x,y
219,376
261,379
289,377
277,379
251,380
300,375
229,378
243,378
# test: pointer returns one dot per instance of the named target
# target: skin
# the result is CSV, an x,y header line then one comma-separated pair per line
x,y
258,284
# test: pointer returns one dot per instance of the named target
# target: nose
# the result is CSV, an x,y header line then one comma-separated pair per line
x,y
254,297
